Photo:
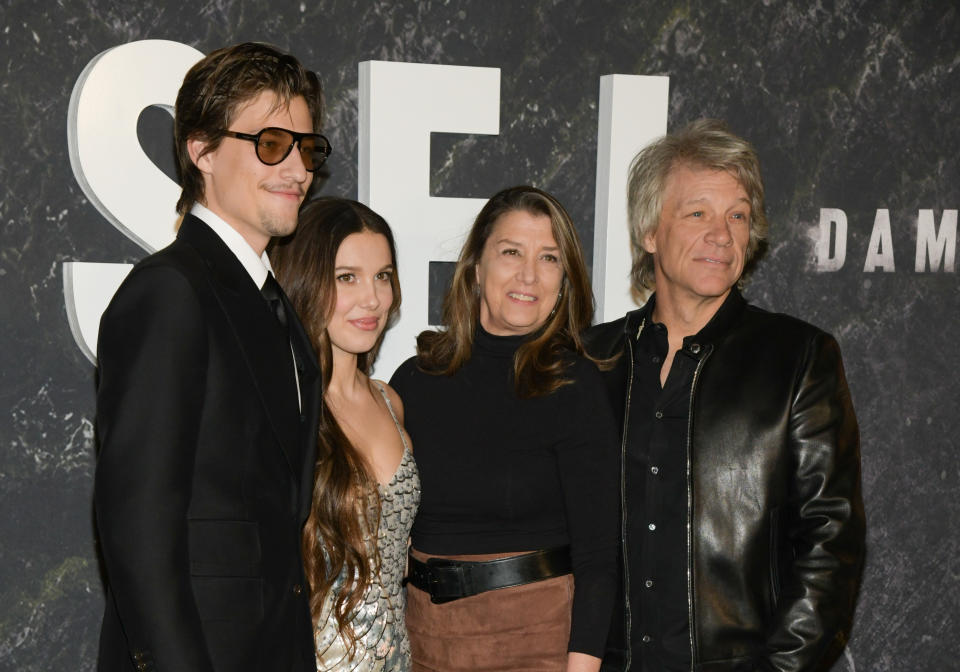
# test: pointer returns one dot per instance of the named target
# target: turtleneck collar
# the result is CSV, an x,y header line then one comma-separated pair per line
x,y
498,346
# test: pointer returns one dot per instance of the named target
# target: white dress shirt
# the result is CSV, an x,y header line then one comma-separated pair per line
x,y
256,266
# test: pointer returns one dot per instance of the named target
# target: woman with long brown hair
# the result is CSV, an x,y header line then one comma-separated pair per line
x,y
340,272
513,563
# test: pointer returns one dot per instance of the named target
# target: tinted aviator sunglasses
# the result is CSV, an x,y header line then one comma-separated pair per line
x,y
274,144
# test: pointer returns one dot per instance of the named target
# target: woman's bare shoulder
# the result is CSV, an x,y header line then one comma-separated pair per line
x,y
395,401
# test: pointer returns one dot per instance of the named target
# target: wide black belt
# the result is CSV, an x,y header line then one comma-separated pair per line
x,y
448,580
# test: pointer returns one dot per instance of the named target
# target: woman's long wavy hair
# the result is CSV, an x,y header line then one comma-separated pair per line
x,y
541,361
345,511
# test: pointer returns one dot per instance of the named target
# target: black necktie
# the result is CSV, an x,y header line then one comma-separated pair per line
x,y
273,294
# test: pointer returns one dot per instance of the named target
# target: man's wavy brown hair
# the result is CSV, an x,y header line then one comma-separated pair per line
x,y
344,515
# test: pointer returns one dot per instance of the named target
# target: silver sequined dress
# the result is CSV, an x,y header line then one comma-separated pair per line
x,y
382,644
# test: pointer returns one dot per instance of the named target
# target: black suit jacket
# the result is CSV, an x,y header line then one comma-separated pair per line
x,y
205,469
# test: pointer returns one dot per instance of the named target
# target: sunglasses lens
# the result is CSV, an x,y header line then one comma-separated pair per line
x,y
273,146
314,150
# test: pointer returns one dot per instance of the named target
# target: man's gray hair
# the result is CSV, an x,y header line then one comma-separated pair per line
x,y
705,143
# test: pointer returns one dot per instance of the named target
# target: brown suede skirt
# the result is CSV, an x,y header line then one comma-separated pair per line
x,y
523,628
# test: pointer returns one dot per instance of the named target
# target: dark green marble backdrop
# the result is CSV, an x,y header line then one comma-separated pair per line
x,y
851,104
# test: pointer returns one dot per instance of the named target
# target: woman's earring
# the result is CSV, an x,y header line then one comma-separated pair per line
x,y
557,304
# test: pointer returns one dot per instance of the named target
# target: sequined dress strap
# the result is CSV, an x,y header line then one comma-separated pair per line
x,y
386,398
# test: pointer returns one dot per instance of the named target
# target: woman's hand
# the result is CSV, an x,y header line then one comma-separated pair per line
x,y
581,662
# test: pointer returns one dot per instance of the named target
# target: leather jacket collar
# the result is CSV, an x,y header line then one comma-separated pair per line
x,y
723,319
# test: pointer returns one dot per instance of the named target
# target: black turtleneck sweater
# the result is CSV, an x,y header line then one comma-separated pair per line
x,y
501,474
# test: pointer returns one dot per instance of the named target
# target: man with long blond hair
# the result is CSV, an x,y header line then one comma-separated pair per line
x,y
742,519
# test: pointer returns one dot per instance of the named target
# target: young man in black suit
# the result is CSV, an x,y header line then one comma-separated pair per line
x,y
208,392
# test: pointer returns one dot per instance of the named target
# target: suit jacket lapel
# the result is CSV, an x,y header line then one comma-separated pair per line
x,y
261,338
308,372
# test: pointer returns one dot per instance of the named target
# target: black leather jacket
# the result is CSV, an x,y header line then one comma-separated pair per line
x,y
775,522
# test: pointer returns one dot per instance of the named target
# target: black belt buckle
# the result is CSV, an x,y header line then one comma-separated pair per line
x,y
448,580
444,580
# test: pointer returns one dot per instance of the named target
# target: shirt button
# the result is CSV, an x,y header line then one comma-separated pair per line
x,y
658,415
651,527
297,589
647,639
648,583
654,470
655,359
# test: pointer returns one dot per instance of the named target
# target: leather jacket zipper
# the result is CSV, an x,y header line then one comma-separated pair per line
x,y
628,614
693,390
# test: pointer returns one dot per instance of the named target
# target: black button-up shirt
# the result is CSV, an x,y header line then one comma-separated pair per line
x,y
655,466
656,503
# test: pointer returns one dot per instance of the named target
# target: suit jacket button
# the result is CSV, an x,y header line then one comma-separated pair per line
x,y
297,589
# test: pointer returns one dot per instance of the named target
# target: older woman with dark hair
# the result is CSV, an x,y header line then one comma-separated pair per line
x,y
513,561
